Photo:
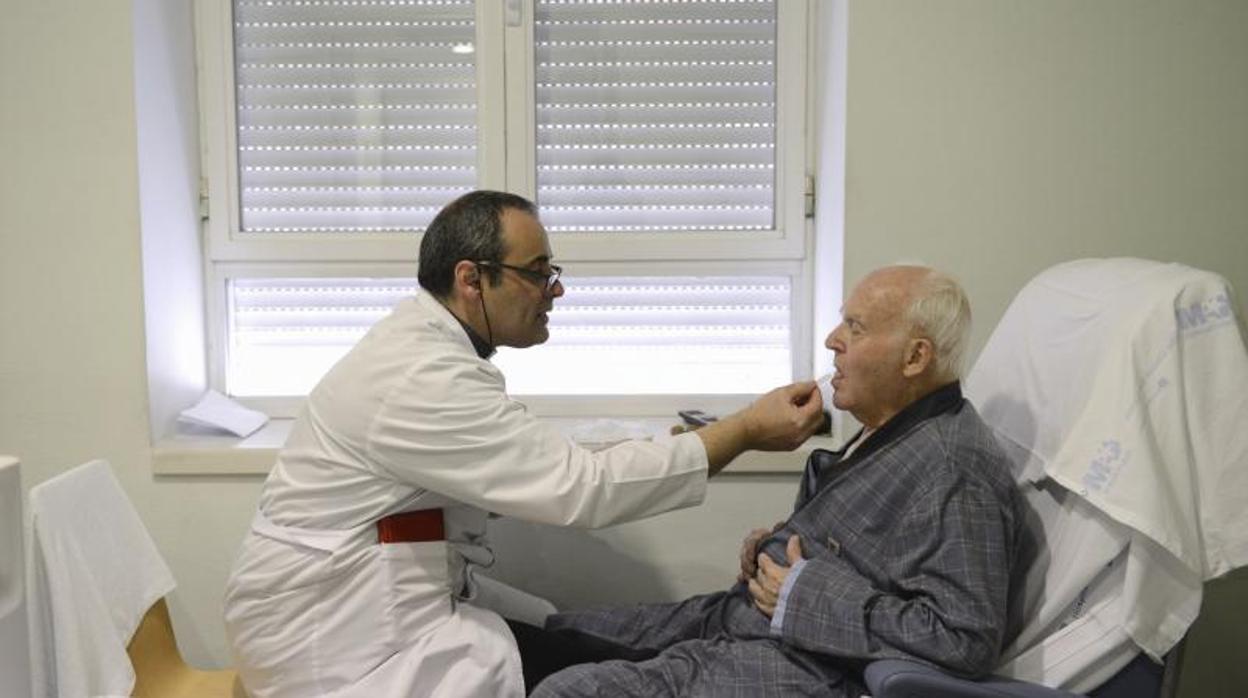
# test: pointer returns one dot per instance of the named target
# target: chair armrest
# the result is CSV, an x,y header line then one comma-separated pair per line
x,y
899,678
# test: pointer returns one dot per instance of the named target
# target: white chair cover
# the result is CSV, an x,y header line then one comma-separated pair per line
x,y
1117,386
95,572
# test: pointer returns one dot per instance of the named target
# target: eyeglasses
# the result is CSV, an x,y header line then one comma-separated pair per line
x,y
546,280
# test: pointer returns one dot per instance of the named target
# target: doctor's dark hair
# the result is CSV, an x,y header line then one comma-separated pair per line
x,y
470,228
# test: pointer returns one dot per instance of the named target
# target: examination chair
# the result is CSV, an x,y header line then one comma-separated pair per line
x,y
1116,388
98,585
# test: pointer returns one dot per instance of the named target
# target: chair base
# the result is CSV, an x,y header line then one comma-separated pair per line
x,y
160,671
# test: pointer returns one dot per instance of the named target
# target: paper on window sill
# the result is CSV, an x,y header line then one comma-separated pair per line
x,y
218,411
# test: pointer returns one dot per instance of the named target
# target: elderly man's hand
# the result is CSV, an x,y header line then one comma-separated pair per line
x,y
766,584
749,550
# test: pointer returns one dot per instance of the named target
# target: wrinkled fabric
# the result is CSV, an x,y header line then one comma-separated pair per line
x,y
95,571
1116,387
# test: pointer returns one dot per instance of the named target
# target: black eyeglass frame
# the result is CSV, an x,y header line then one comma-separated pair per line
x,y
546,280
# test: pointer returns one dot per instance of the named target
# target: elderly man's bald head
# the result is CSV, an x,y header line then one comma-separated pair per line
x,y
933,305
903,334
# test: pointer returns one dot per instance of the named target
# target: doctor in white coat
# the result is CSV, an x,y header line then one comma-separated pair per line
x,y
357,576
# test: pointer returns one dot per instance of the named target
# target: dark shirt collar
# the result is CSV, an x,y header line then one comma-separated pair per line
x,y
483,348
828,465
941,400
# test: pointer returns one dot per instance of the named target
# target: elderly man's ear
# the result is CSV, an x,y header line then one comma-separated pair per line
x,y
918,357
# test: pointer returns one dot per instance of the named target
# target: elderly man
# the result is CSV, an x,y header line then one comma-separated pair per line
x,y
358,577
901,545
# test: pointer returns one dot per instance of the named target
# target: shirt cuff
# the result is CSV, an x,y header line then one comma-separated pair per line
x,y
777,618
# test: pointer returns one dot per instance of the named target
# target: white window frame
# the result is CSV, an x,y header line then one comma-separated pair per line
x,y
506,158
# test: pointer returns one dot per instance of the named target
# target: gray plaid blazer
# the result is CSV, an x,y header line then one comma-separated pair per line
x,y
912,543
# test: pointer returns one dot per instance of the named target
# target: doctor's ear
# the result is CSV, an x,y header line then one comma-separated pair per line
x,y
468,274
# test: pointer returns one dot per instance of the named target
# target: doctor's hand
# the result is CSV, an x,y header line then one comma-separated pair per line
x,y
781,420
784,418
766,584
749,550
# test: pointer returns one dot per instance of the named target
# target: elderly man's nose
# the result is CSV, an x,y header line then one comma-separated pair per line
x,y
833,341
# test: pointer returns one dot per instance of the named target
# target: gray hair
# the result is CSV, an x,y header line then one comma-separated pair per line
x,y
940,311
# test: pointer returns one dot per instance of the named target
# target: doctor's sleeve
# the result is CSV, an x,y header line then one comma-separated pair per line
x,y
457,433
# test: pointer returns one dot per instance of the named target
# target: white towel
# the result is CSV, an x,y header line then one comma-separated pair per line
x,y
95,571
1123,380
1162,439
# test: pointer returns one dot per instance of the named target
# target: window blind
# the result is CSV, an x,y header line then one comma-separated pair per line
x,y
655,116
608,335
353,116
659,335
284,334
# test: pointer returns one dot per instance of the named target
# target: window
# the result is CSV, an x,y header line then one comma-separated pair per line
x,y
352,117
663,141
655,117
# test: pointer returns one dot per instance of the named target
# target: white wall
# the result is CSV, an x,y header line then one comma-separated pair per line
x,y
167,131
990,138
73,382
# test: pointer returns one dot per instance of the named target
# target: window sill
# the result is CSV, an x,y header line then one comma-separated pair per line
x,y
225,455
186,454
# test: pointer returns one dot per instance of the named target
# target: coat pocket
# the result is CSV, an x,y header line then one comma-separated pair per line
x,y
417,592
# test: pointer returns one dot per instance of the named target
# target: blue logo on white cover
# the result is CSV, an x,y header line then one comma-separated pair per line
x,y
1104,466
1204,315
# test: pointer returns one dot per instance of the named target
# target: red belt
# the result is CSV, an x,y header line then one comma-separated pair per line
x,y
411,527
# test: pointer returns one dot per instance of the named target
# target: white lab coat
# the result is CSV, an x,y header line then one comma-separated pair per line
x,y
413,419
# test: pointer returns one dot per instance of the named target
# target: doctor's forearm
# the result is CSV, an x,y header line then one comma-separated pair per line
x,y
724,440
